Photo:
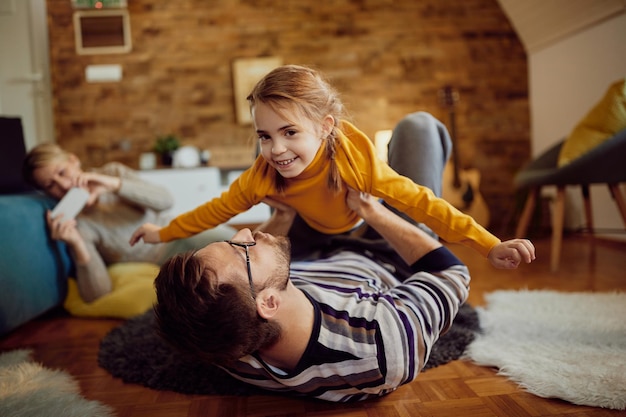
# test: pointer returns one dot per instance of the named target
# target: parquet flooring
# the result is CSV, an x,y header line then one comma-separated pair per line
x,y
456,389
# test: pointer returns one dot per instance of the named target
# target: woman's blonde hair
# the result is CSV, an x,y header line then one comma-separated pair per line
x,y
40,156
301,88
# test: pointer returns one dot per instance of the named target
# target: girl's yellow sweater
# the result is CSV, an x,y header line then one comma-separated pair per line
x,y
327,211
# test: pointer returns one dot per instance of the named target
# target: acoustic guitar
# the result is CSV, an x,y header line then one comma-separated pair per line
x,y
461,187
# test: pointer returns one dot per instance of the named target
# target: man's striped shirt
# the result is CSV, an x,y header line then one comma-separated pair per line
x,y
372,333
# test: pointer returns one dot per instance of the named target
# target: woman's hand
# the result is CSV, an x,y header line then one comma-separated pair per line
x,y
63,230
510,253
97,184
148,232
66,231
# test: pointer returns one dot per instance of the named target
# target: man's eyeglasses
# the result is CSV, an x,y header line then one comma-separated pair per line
x,y
245,245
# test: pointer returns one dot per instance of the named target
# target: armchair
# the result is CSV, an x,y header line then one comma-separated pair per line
x,y
604,164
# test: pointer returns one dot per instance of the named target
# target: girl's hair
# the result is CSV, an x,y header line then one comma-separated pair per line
x,y
295,87
40,156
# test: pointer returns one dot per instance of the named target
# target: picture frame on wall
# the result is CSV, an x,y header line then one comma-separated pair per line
x,y
246,73
102,31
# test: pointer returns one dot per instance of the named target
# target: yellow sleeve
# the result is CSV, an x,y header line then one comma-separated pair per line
x,y
246,191
361,169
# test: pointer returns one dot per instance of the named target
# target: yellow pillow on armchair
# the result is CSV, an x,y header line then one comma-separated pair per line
x,y
601,123
132,294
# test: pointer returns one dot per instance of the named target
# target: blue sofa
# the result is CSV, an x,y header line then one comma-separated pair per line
x,y
33,268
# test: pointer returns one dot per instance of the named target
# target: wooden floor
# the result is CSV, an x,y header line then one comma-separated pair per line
x,y
457,389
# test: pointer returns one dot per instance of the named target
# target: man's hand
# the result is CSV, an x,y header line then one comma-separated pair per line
x,y
148,232
361,202
509,254
281,220
409,241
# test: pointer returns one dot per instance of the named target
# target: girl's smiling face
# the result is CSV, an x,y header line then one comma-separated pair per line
x,y
287,145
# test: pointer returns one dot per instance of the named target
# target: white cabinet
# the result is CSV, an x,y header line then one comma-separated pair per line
x,y
192,187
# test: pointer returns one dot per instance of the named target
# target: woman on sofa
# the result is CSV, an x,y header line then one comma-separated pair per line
x,y
119,202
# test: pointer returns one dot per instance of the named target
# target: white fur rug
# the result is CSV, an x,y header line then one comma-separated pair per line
x,y
557,345
27,389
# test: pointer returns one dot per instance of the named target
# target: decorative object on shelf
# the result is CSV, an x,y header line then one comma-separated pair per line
x,y
186,157
147,160
165,146
205,157
246,73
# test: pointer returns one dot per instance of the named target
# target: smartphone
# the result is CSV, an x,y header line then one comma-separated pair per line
x,y
71,204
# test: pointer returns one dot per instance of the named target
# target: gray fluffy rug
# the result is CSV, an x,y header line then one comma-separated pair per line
x,y
136,354
557,345
27,389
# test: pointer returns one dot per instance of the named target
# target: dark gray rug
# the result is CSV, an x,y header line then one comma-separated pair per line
x,y
136,354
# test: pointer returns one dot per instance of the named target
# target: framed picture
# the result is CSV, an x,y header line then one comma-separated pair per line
x,y
102,31
246,73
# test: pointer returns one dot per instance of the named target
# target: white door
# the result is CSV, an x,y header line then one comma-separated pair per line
x,y
24,68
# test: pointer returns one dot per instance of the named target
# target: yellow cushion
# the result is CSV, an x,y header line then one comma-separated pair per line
x,y
132,294
601,123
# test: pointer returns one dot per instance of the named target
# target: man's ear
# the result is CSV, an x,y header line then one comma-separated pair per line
x,y
267,303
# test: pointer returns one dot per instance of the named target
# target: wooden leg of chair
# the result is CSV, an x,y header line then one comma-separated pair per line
x,y
617,195
558,214
587,204
529,206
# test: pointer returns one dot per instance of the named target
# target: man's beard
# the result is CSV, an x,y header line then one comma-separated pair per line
x,y
282,249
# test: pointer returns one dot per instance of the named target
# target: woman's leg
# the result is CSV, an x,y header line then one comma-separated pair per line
x,y
419,149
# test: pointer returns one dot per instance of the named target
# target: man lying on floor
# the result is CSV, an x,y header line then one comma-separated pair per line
x,y
341,328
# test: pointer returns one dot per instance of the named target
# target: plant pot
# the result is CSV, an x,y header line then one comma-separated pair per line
x,y
167,158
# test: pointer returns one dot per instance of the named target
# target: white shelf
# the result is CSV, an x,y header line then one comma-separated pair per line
x,y
192,187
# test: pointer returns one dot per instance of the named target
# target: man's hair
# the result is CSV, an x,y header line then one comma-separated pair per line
x,y
295,87
214,321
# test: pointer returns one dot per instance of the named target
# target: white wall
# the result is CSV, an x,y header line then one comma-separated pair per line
x,y
566,79
24,68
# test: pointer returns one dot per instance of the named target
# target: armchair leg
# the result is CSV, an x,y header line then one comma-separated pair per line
x,y
529,206
558,214
587,204
619,200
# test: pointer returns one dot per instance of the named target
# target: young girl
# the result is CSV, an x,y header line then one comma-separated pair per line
x,y
309,155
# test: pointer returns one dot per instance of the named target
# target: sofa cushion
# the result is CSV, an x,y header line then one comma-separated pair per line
x,y
132,294
11,157
602,122
33,268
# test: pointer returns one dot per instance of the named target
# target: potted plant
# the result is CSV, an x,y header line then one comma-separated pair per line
x,y
165,146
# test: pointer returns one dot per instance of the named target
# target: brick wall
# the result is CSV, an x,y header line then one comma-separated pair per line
x,y
387,58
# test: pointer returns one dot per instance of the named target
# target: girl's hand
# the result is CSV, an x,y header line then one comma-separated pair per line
x,y
510,253
148,232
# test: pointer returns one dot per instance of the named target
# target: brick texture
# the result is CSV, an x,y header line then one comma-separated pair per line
x,y
387,58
